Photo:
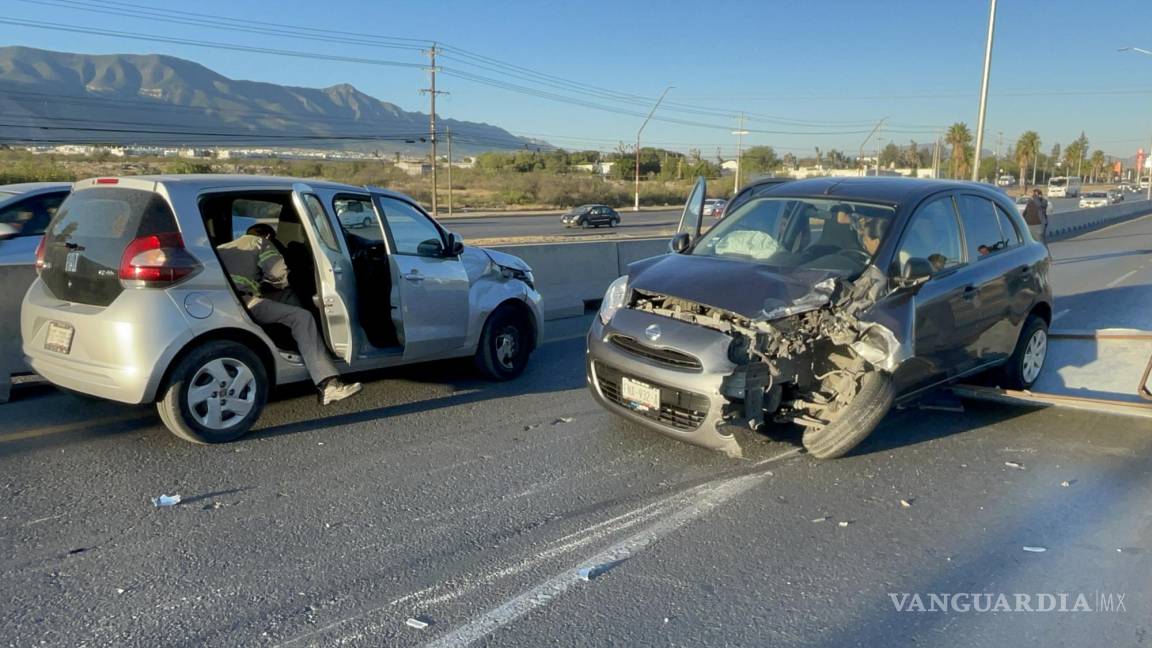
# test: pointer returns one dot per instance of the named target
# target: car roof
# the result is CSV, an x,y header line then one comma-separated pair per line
x,y
217,180
891,190
31,187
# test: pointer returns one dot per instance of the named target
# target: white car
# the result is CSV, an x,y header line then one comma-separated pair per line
x,y
1092,199
714,207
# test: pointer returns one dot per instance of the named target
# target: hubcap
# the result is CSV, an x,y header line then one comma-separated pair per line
x,y
1034,355
221,393
507,346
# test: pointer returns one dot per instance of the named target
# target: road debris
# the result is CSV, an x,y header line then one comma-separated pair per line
x,y
844,523
165,500
906,503
1067,482
416,623
530,427
1034,549
821,519
213,506
1013,464
562,419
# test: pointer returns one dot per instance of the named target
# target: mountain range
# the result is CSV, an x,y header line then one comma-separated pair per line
x,y
162,100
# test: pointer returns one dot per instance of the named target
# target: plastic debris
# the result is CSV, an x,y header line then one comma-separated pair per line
x,y
165,500
1013,464
1067,482
1035,549
585,573
213,506
416,623
843,523
531,427
120,590
906,503
821,519
562,419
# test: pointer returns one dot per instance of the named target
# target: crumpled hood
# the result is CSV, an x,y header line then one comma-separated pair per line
x,y
749,289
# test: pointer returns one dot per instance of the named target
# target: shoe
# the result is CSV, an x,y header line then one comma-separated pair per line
x,y
333,390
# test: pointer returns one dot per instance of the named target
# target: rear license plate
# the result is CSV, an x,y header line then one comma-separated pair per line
x,y
59,338
640,395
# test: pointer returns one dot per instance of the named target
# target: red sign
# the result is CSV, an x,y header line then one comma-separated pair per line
x,y
1139,159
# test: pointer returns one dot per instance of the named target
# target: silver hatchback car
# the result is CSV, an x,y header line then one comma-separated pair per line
x,y
132,303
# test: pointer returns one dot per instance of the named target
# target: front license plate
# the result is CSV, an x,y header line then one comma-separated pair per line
x,y
640,395
59,338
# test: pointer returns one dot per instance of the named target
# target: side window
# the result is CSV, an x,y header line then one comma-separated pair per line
x,y
356,216
31,216
320,221
412,231
932,234
981,226
1008,227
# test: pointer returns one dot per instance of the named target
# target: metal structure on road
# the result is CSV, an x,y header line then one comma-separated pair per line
x,y
984,92
636,207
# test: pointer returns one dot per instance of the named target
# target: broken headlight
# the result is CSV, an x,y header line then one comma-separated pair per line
x,y
613,299
517,273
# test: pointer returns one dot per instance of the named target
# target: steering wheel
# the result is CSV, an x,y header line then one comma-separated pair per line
x,y
856,255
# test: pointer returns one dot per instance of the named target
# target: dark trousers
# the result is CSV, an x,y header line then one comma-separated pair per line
x,y
282,308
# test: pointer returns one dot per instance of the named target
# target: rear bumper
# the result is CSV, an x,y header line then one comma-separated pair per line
x,y
692,402
118,352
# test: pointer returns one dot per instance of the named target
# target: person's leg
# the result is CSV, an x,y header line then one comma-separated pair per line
x,y
303,327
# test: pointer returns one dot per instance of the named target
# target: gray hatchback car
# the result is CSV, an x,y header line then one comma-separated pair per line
x,y
132,303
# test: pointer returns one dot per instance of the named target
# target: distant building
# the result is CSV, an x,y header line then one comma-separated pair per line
x,y
414,168
600,168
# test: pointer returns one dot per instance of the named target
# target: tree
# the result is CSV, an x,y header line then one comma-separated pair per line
x,y
890,155
1027,150
1075,153
1097,164
760,159
789,162
911,156
959,138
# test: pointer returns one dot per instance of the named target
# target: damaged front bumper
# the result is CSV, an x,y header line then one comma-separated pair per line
x,y
691,384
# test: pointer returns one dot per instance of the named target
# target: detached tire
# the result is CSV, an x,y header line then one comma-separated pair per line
x,y
1027,360
505,345
215,393
856,421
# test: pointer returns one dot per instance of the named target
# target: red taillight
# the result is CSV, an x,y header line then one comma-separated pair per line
x,y
107,180
157,259
40,254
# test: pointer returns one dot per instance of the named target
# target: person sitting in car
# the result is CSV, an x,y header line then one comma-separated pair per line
x,y
260,275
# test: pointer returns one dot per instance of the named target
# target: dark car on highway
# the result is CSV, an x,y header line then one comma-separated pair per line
x,y
820,303
591,216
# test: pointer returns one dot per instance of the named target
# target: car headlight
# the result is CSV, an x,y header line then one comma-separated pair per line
x,y
517,273
613,299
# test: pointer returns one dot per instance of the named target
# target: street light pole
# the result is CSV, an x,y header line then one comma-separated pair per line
x,y
636,206
984,92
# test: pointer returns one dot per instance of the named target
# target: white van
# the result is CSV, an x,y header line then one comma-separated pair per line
x,y
1064,187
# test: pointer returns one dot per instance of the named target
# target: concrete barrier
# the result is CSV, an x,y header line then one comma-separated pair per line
x,y
1067,224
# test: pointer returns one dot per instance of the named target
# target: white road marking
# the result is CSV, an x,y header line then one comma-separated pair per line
x,y
704,499
1118,280
1062,313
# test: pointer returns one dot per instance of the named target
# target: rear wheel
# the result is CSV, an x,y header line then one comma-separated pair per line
x,y
215,393
366,222
855,420
1027,361
505,345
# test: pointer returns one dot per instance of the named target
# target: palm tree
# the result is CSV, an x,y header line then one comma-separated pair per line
x,y
959,138
1027,150
1097,164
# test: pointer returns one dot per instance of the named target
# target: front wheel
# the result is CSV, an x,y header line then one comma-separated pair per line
x,y
505,345
1027,360
215,393
855,420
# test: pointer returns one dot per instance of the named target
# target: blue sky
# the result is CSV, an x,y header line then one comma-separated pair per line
x,y
807,73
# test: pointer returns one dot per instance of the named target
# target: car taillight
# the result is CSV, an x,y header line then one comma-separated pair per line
x,y
157,260
40,254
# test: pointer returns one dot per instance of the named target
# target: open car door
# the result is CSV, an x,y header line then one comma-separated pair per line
x,y
691,219
334,278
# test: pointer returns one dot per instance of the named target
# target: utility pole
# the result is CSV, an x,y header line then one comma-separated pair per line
x,y
996,157
432,92
860,156
936,159
448,134
984,92
636,207
739,133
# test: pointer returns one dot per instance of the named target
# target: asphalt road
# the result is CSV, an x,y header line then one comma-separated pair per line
x,y
471,506
647,224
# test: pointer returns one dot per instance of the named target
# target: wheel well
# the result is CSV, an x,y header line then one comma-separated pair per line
x,y
521,309
1043,310
250,340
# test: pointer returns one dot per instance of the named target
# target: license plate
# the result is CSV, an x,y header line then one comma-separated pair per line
x,y
641,396
59,338
71,262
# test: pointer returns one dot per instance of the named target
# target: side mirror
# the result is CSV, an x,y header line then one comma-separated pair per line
x,y
916,272
680,243
455,245
7,231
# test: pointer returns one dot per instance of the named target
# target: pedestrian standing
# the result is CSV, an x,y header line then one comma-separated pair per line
x,y
1036,215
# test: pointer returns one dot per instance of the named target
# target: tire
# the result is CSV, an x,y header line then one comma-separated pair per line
x,y
583,224
366,223
186,406
1026,362
856,421
493,358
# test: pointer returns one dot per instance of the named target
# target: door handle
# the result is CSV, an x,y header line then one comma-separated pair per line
x,y
414,276
970,292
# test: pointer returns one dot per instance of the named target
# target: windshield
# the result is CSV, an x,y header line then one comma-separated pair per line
x,y
1057,182
809,233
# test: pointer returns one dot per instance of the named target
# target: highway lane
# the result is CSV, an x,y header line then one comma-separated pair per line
x,y
470,506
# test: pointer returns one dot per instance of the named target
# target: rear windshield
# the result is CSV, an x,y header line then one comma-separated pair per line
x,y
85,242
